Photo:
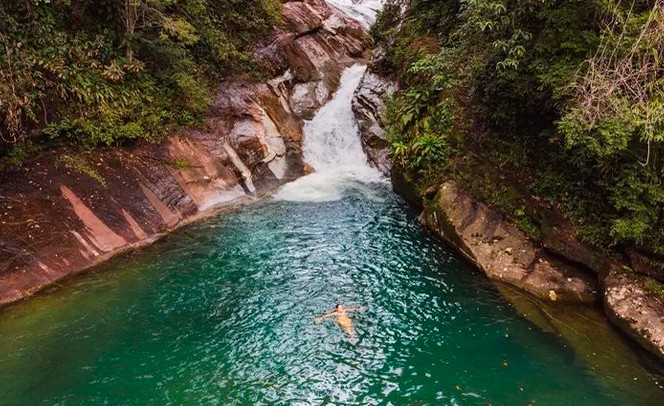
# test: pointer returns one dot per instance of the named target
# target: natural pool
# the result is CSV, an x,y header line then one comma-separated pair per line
x,y
222,313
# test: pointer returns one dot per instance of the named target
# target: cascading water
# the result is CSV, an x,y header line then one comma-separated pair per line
x,y
331,139
332,146
363,11
223,313
332,143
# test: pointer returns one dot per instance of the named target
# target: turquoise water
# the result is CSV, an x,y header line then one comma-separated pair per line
x,y
222,313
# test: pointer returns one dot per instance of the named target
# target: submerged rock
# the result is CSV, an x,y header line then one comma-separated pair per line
x,y
587,332
502,251
632,307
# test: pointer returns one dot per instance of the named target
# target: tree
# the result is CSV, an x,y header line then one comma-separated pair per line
x,y
619,92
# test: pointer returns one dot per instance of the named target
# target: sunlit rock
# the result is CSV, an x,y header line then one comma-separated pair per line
x,y
484,237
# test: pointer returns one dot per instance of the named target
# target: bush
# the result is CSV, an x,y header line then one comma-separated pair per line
x,y
104,72
565,97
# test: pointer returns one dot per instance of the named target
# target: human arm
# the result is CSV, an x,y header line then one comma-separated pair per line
x,y
325,316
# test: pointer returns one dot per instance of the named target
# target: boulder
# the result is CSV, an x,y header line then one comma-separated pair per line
x,y
633,307
307,98
302,18
368,106
502,251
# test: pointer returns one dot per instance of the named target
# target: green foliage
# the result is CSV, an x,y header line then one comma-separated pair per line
x,y
619,92
180,163
567,97
654,287
78,164
18,154
638,198
94,72
421,119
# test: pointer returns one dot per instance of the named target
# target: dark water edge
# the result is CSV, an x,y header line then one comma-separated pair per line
x,y
221,313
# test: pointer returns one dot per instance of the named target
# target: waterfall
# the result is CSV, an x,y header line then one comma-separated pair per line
x,y
363,11
332,146
331,138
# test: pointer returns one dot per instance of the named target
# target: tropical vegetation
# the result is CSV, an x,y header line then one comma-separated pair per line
x,y
105,72
552,101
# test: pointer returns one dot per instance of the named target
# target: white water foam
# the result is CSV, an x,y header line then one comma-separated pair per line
x,y
363,11
332,146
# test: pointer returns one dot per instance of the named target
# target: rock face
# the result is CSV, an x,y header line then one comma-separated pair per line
x,y
648,265
368,106
369,100
69,211
635,310
501,250
632,298
560,237
405,187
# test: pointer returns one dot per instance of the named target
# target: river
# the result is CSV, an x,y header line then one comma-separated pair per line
x,y
223,312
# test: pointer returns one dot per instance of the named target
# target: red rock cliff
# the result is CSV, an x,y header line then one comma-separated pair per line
x,y
55,222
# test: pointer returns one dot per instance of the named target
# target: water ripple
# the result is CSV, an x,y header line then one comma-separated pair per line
x,y
224,314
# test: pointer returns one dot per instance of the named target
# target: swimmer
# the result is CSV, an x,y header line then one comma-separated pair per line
x,y
340,312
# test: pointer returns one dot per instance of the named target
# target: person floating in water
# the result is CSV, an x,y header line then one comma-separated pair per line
x,y
341,314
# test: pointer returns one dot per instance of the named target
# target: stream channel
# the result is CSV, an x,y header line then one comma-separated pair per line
x,y
222,312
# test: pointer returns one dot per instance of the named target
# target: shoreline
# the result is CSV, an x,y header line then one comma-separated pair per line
x,y
58,220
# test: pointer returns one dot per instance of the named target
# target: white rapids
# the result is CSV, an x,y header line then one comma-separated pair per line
x,y
332,146
363,11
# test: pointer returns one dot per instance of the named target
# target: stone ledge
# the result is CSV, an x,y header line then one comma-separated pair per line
x,y
502,251
633,309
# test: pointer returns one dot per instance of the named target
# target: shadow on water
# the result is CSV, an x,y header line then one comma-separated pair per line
x,y
595,343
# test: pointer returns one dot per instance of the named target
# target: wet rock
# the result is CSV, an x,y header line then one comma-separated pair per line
x,y
501,250
308,169
368,106
306,98
56,221
368,103
302,18
334,24
201,175
634,308
561,238
319,47
405,187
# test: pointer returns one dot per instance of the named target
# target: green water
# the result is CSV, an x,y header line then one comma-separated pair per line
x,y
222,313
